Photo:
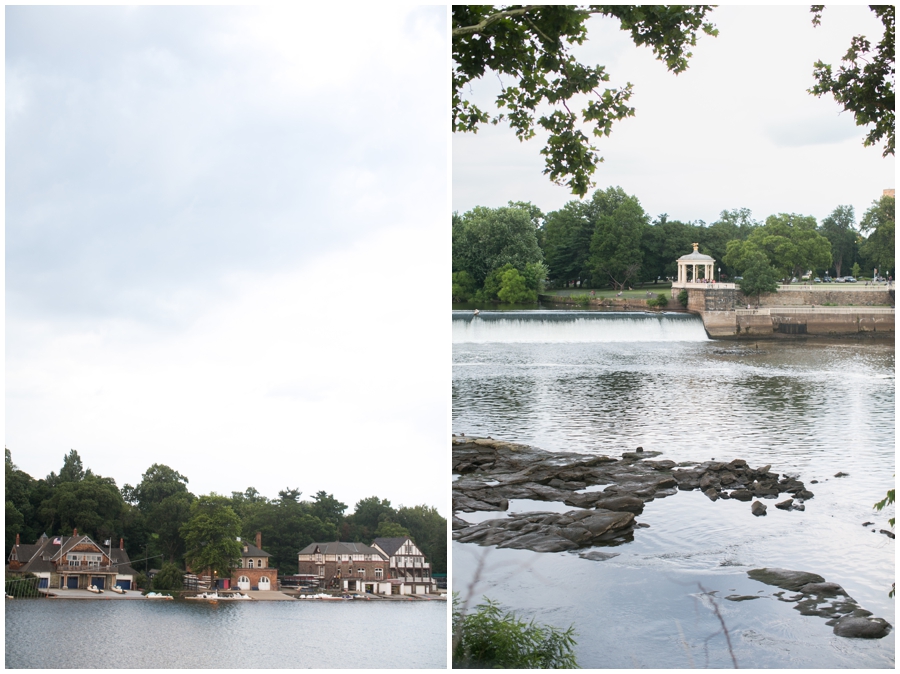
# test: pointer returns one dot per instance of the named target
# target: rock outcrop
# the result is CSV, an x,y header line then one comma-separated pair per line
x,y
827,600
605,493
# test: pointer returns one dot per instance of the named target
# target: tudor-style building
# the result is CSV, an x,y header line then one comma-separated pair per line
x,y
72,562
353,567
409,572
253,571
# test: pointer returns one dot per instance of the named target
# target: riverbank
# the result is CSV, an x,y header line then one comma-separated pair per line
x,y
258,595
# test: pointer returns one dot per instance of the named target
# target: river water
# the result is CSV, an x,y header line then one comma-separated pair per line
x,y
144,634
606,383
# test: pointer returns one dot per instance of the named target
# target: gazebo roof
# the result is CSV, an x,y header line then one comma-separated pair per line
x,y
700,257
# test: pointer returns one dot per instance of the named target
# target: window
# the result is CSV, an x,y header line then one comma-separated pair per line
x,y
259,564
379,574
361,573
249,563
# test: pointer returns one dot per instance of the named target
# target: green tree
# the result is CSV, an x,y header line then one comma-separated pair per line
x,y
164,501
464,286
878,224
616,243
93,505
489,638
388,529
169,577
485,239
838,228
758,277
327,508
513,289
72,470
531,46
210,535
790,243
566,243
20,511
662,244
864,84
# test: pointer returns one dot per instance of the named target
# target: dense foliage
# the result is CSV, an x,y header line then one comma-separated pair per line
x,y
163,523
864,84
529,49
508,255
488,638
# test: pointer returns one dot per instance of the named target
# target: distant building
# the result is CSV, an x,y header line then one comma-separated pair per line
x,y
352,567
73,562
888,193
409,572
253,571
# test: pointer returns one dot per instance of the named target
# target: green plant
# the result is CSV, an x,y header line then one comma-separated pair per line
x,y
582,300
170,577
491,638
659,301
683,297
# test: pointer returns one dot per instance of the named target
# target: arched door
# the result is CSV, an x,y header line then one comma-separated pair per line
x,y
243,583
264,583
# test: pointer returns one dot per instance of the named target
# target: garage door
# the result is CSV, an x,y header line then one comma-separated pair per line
x,y
44,582
72,582
98,581
124,584
264,584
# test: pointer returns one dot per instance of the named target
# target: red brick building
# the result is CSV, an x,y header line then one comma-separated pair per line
x,y
253,571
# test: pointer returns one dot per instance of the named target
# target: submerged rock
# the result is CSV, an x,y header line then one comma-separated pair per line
x,y
597,556
862,628
827,600
758,508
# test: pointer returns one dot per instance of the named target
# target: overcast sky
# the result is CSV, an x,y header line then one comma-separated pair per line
x,y
226,234
737,129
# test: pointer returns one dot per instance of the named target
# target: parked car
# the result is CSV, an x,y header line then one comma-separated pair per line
x,y
817,280
849,279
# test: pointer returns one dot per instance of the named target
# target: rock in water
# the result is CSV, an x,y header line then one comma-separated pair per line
x,y
597,556
862,628
785,505
785,578
758,508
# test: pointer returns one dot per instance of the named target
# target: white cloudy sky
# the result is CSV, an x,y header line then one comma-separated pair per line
x,y
226,235
737,129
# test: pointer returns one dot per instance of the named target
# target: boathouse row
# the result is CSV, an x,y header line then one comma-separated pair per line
x,y
72,562
388,566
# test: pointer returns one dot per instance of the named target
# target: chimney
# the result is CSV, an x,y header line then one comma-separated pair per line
x,y
121,544
259,539
17,540
75,532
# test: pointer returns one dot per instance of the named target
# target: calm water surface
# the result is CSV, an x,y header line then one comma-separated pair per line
x,y
72,633
607,383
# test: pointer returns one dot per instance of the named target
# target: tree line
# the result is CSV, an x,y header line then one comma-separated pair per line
x,y
509,254
164,524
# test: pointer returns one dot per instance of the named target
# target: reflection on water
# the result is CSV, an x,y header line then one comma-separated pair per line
x,y
807,408
72,633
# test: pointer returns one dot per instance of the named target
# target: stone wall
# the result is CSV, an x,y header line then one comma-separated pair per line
x,y
725,299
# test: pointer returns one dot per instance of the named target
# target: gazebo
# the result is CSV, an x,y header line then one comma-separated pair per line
x,y
695,265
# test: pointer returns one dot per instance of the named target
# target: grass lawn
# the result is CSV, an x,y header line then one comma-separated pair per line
x,y
637,293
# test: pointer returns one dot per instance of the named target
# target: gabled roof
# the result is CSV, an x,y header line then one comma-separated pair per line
x,y
391,545
253,551
338,548
46,553
71,542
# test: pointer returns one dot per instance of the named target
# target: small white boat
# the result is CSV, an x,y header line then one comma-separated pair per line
x,y
94,589
156,595
118,590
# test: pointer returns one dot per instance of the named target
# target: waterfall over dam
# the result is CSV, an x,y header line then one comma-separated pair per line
x,y
575,326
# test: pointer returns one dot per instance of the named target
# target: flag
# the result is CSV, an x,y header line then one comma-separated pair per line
x,y
106,542
57,541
